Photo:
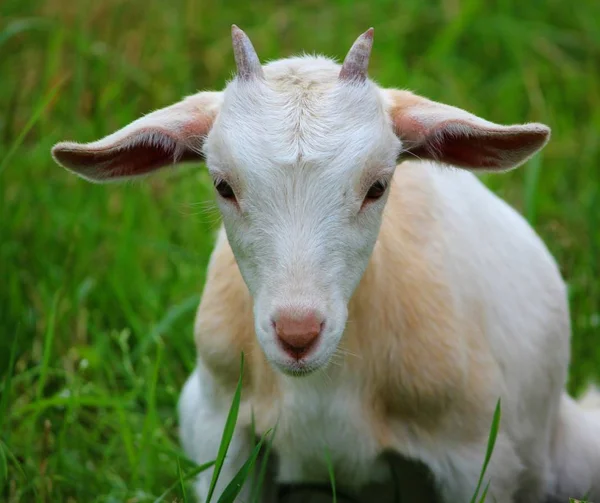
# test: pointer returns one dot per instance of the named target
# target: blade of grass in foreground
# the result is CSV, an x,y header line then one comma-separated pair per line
x,y
190,475
490,449
181,483
227,432
257,489
484,495
235,486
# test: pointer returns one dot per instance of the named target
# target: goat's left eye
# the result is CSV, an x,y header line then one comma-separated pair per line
x,y
376,190
224,190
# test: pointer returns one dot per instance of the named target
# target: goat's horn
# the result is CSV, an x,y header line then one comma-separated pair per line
x,y
246,59
356,63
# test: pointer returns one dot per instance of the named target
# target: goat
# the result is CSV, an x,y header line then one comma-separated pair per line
x,y
384,297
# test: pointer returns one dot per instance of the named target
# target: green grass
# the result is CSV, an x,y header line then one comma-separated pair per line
x,y
98,284
495,427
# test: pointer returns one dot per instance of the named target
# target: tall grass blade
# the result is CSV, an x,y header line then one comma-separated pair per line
x,y
181,482
188,476
227,432
485,492
490,448
235,486
258,483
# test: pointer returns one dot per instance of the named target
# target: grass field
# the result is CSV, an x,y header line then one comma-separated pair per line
x,y
98,284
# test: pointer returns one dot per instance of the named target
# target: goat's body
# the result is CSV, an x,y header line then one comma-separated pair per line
x,y
414,320
461,304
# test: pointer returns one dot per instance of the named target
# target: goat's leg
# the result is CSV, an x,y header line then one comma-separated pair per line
x,y
456,469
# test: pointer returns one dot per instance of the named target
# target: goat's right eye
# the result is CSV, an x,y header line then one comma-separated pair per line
x,y
376,190
224,189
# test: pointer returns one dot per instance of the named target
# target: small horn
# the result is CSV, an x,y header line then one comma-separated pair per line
x,y
356,63
246,59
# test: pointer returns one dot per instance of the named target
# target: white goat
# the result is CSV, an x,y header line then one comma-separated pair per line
x,y
429,296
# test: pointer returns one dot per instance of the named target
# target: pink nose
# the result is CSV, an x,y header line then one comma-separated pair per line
x,y
298,331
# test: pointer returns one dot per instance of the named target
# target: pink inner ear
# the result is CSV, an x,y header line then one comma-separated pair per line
x,y
434,131
134,161
136,154
464,145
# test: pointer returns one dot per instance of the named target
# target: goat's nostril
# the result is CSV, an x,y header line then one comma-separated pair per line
x,y
298,331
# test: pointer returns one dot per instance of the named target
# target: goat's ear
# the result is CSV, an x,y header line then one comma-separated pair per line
x,y
434,131
164,137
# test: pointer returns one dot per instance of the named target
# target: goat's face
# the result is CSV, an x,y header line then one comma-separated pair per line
x,y
302,153
301,169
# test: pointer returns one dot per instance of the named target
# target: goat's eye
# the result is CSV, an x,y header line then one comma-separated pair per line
x,y
224,189
376,190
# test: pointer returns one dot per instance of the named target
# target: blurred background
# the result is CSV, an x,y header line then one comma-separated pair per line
x,y
99,284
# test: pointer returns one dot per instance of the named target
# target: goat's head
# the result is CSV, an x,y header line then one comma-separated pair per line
x,y
302,153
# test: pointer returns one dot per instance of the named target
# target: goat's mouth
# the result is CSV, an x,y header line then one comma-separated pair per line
x,y
302,367
298,368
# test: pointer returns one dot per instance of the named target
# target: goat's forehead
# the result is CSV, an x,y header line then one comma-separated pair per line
x,y
297,116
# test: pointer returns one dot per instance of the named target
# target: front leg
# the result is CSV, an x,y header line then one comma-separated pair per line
x,y
203,409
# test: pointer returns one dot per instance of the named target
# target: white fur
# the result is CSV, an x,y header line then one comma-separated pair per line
x,y
576,449
290,153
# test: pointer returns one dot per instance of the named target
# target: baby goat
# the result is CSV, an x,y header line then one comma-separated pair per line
x,y
383,301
